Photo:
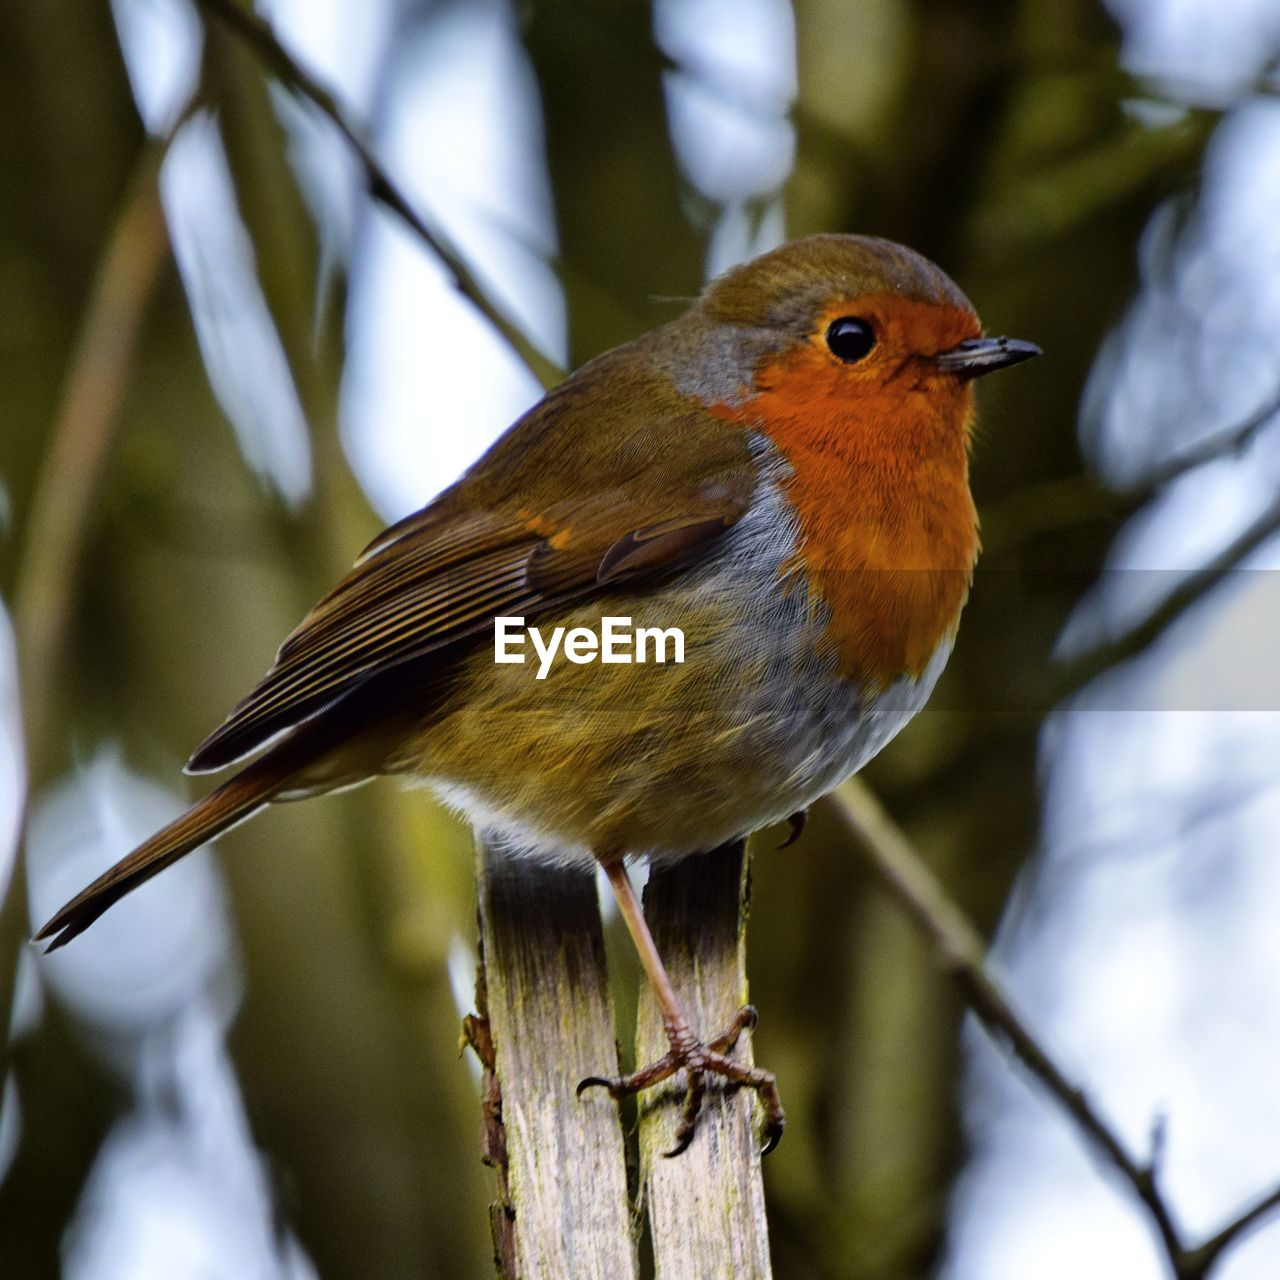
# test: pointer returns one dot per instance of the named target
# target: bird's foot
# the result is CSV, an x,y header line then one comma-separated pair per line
x,y
701,1059
797,822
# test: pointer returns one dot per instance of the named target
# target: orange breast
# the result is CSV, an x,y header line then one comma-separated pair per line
x,y
880,486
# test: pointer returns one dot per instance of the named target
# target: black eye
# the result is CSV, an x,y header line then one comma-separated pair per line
x,y
850,338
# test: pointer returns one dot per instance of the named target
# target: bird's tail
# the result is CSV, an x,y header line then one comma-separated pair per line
x,y
235,800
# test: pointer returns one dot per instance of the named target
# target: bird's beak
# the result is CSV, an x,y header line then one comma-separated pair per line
x,y
976,356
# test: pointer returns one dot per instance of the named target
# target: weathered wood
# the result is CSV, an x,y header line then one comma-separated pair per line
x,y
706,1206
549,1022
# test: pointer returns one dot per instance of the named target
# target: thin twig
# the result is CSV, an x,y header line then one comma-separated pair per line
x,y
1221,444
1194,588
258,34
1198,584
1079,498
1095,662
962,951
1201,1259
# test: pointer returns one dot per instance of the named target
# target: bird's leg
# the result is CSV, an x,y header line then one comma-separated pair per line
x,y
698,1058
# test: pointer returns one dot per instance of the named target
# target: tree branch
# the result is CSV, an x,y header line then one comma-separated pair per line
x,y
1194,588
1219,445
1079,498
1201,1259
258,35
961,950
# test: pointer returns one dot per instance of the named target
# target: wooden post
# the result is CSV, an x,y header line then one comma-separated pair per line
x,y
547,1022
706,1206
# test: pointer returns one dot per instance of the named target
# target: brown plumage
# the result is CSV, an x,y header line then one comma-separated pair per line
x,y
795,502
236,799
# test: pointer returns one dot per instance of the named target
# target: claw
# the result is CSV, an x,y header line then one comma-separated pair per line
x,y
682,1143
797,822
744,1020
773,1127
689,1117
701,1060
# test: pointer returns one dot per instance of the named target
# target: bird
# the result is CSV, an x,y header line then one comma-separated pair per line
x,y
781,473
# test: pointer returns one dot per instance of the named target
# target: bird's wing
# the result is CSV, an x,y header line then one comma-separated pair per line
x,y
438,578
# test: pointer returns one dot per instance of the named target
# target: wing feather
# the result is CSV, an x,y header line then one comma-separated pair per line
x,y
341,650
519,535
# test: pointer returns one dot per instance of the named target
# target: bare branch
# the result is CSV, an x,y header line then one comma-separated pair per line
x,y
257,33
1203,1258
961,950
1198,584
1194,588
1081,498
1219,445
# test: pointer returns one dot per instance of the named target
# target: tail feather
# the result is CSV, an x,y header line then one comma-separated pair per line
x,y
236,799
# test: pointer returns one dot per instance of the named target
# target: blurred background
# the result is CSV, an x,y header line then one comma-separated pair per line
x,y
222,368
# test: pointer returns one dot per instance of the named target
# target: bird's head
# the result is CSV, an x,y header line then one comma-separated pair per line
x,y
834,324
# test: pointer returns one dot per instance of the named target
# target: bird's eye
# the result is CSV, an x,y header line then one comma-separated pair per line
x,y
850,338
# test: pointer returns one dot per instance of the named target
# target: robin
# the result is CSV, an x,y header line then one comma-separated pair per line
x,y
780,474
